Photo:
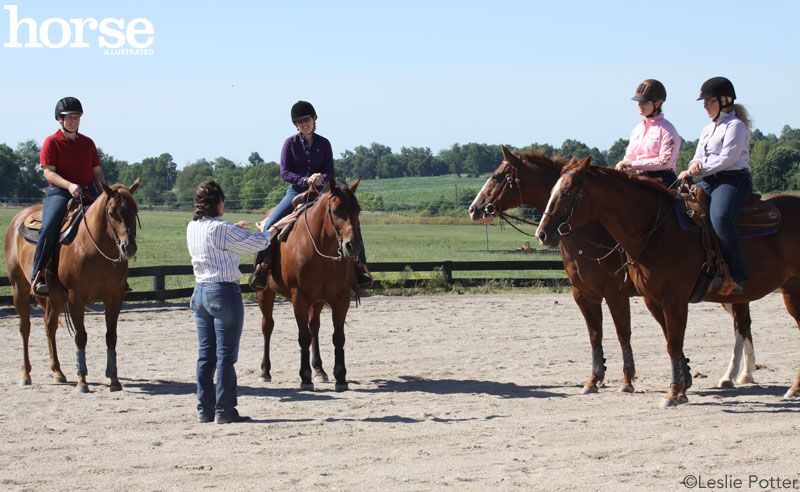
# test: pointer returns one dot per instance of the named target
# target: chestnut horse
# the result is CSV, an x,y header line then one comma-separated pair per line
x,y
313,268
593,265
664,260
93,267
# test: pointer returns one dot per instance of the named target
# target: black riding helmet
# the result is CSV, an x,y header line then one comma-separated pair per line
x,y
718,87
68,105
650,90
301,109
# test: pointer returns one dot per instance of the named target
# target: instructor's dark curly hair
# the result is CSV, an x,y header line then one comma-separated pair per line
x,y
207,197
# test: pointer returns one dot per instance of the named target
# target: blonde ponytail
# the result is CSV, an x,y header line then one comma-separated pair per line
x,y
744,115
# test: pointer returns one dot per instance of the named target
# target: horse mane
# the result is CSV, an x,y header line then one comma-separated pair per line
x,y
638,179
539,157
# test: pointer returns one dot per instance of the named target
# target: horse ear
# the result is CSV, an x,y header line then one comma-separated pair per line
x,y
586,161
107,189
132,188
507,155
354,186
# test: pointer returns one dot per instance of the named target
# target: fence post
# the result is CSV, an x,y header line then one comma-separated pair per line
x,y
447,271
159,283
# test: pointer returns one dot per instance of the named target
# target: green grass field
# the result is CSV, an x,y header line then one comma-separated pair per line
x,y
162,241
417,191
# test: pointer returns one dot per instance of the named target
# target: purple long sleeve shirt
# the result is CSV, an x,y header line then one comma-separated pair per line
x,y
300,160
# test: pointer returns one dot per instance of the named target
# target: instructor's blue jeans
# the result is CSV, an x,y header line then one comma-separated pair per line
x,y
219,315
55,208
729,192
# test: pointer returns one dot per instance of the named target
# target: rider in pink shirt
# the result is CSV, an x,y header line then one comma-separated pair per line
x,y
655,143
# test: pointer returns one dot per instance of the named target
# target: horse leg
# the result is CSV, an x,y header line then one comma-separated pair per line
x,y
113,307
620,306
77,315
301,310
316,359
791,297
675,318
22,305
593,314
742,347
339,313
51,312
266,302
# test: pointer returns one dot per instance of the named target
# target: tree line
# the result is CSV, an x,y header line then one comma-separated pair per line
x,y
775,162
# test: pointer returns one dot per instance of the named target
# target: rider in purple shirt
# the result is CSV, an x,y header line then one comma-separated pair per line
x,y
306,158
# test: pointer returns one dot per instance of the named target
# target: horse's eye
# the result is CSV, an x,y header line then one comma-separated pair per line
x,y
497,178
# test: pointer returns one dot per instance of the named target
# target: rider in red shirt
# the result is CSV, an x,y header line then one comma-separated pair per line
x,y
71,165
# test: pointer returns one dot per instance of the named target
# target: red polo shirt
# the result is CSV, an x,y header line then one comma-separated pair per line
x,y
74,160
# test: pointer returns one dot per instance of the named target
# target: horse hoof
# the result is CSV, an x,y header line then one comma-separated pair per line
x,y
587,390
321,378
725,384
114,387
746,380
265,379
342,387
791,394
82,389
625,388
24,382
669,403
307,387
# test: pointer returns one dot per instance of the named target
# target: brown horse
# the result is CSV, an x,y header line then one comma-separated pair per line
x,y
663,259
592,263
313,268
93,267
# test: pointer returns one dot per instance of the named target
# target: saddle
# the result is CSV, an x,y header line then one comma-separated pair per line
x,y
32,225
759,218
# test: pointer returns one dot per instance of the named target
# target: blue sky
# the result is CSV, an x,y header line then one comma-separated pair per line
x,y
222,76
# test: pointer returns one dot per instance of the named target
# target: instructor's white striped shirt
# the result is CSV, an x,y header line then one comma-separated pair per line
x,y
215,245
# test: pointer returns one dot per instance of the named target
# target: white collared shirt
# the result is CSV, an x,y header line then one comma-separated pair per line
x,y
724,145
215,245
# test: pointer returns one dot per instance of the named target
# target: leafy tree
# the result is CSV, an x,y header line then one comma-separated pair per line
x,y
158,176
31,181
391,166
777,169
189,177
617,151
9,169
574,148
255,159
685,155
110,167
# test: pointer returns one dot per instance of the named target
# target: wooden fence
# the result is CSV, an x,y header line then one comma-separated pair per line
x,y
447,269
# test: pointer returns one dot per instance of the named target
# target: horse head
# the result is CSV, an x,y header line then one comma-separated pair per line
x,y
121,215
500,191
343,217
566,207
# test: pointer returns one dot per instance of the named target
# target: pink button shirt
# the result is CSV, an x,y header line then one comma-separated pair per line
x,y
654,145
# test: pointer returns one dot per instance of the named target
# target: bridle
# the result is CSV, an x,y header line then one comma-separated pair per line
x,y
339,237
116,236
645,238
564,227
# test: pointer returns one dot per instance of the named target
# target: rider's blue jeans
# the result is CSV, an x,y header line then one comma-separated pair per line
x,y
55,207
729,192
